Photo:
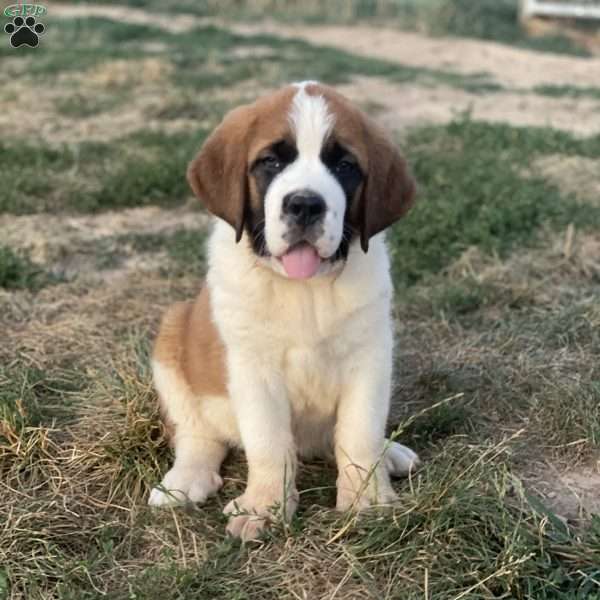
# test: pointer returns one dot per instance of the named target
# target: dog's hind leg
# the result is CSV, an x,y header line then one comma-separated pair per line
x,y
189,377
198,450
194,475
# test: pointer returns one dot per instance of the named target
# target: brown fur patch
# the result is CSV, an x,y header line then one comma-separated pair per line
x,y
188,342
389,190
203,360
219,173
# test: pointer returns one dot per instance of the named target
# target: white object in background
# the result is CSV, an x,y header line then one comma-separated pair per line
x,y
573,10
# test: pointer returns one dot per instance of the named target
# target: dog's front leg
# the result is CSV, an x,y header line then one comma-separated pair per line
x,y
363,478
263,415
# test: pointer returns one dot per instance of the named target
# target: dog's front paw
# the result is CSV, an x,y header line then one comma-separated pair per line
x,y
185,484
251,513
400,460
358,489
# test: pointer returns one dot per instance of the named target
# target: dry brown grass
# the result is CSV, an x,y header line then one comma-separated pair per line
x,y
575,175
520,339
83,448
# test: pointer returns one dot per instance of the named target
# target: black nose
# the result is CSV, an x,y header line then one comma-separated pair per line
x,y
304,207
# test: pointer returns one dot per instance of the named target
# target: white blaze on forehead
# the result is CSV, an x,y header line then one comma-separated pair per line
x,y
311,121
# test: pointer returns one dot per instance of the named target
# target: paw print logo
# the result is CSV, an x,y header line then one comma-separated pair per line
x,y
24,32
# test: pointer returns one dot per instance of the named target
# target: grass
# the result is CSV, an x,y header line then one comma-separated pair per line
x,y
27,167
466,524
203,58
567,91
81,106
490,328
139,169
92,40
474,193
186,105
145,167
466,502
296,60
32,398
152,177
18,272
498,377
495,20
494,205
185,249
291,60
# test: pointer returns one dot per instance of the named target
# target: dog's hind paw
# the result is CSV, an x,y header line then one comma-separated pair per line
x,y
185,485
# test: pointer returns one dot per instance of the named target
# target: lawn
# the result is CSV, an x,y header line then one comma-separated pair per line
x,y
497,275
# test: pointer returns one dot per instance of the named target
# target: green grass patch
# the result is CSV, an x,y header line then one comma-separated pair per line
x,y
567,91
140,169
576,324
27,169
31,397
439,423
143,168
464,298
185,248
568,414
33,402
460,298
18,272
474,192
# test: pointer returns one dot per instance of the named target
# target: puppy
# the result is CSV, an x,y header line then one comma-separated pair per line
x,y
287,350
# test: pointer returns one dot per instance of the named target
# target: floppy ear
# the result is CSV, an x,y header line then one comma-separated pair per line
x,y
218,174
389,189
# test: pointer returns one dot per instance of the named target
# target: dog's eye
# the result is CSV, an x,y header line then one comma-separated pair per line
x,y
345,166
271,162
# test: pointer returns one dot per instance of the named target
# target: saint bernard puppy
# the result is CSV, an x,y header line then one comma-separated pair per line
x,y
288,348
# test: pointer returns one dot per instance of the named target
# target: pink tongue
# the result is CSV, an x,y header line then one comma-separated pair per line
x,y
301,262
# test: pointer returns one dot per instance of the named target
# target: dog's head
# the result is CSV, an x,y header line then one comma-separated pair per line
x,y
304,173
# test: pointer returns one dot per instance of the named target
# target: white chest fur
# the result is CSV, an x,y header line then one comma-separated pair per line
x,y
311,333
